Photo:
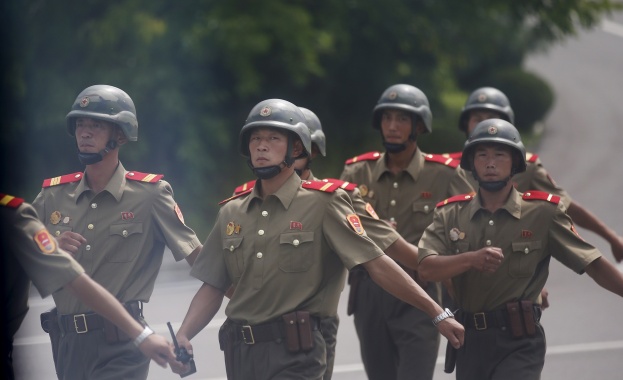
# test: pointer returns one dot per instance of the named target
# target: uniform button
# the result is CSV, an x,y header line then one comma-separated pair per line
x,y
231,248
491,222
296,242
124,233
57,233
264,213
426,208
395,185
88,247
90,226
259,255
392,202
93,205
527,250
488,242
260,232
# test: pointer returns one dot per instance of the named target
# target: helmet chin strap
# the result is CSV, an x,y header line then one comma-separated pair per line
x,y
491,186
269,172
93,158
397,148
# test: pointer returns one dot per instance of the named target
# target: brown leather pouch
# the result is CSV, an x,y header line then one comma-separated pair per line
x,y
306,335
528,317
514,319
292,333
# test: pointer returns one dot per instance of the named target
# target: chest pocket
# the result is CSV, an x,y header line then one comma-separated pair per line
x,y
423,213
57,230
126,240
295,251
234,258
524,258
460,247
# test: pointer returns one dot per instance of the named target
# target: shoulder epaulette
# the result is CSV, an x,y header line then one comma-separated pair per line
x,y
454,155
370,156
531,157
348,186
67,178
10,201
531,195
144,177
235,196
456,198
438,158
244,187
328,187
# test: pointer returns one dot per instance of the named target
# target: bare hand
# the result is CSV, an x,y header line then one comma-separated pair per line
x,y
453,331
544,300
177,366
617,248
70,241
158,349
488,259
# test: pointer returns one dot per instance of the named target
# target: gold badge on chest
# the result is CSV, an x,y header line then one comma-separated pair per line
x,y
55,217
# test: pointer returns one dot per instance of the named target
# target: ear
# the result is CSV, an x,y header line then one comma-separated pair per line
x,y
120,137
297,148
420,128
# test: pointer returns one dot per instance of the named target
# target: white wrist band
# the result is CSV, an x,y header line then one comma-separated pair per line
x,y
142,336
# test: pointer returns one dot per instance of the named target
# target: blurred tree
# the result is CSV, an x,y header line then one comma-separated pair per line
x,y
195,69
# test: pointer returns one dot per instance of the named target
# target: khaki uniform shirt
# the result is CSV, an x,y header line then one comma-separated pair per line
x,y
284,253
127,226
529,232
408,198
29,252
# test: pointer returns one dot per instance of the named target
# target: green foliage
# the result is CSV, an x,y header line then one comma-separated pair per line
x,y
195,69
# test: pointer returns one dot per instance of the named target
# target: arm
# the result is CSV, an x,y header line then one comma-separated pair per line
x,y
606,275
202,309
190,259
586,219
102,302
440,268
403,252
387,274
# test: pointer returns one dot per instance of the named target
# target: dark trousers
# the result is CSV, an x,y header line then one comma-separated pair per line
x,y
397,340
329,326
493,354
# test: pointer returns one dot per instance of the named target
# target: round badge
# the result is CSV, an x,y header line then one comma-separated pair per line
x,y
230,228
266,111
392,95
482,98
55,217
85,102
364,190
493,130
454,234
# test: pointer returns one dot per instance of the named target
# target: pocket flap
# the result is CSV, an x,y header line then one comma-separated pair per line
x,y
126,229
526,246
296,238
232,244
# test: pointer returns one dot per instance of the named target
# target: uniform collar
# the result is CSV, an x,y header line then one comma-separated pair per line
x,y
115,186
512,205
285,194
414,168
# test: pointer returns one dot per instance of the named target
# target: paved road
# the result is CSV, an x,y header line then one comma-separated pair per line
x,y
582,147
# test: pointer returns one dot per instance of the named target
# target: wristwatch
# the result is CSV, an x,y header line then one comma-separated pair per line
x,y
445,315
142,336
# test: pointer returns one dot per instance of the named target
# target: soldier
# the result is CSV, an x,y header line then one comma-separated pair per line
x,y
283,245
116,224
488,102
403,185
31,253
496,248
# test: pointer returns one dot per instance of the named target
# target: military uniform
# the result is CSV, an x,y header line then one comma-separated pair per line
x,y
530,228
390,330
127,226
283,254
29,253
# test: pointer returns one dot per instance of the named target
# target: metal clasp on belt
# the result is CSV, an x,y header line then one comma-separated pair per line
x,y
480,321
246,329
84,322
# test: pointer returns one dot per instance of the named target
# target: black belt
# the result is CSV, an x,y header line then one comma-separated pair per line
x,y
264,332
86,322
485,320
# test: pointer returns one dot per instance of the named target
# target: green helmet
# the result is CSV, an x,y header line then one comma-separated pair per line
x,y
275,113
489,99
495,131
106,103
407,98
315,128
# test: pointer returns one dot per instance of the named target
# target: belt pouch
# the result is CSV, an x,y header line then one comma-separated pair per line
x,y
49,324
450,358
306,336
514,319
528,317
292,334
353,281
227,346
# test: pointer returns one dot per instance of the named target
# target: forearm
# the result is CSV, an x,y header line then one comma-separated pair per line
x,y
105,304
403,252
606,275
439,268
202,309
387,274
586,219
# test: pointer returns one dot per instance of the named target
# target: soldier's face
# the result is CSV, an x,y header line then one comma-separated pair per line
x,y
476,116
493,162
92,135
396,126
267,147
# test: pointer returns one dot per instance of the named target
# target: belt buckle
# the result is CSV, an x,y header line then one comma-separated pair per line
x,y
479,326
250,332
84,322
